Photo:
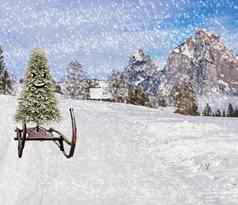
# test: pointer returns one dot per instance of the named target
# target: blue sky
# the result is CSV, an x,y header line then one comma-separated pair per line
x,y
102,34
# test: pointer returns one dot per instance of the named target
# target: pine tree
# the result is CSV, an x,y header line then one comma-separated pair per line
x,y
235,114
77,87
143,77
186,101
37,102
118,86
224,113
162,101
5,80
218,113
6,83
207,110
137,96
230,110
2,64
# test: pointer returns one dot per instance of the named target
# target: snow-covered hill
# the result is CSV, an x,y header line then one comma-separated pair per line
x,y
125,155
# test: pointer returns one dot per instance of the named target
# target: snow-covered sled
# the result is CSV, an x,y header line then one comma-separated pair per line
x,y
41,134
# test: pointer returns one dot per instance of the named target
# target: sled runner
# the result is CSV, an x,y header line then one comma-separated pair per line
x,y
41,134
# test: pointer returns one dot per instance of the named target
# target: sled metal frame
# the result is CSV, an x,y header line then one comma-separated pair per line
x,y
41,134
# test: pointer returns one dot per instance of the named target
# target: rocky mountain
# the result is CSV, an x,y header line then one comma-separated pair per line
x,y
204,60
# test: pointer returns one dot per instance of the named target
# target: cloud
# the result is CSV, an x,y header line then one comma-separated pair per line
x,y
100,35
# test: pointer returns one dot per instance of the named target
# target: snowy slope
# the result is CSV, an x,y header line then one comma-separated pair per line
x,y
125,155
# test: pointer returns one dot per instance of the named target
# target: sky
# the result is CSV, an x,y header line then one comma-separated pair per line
x,y
102,34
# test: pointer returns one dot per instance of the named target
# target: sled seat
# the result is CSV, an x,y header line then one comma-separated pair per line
x,y
42,134
39,133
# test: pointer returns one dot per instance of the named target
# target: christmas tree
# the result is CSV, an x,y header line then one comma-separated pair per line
x,y
37,102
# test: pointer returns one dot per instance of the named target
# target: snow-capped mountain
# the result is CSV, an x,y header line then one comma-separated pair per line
x,y
207,62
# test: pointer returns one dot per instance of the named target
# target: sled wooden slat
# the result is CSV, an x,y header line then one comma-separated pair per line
x,y
38,133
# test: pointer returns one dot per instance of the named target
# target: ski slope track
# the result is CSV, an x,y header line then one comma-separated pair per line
x,y
124,155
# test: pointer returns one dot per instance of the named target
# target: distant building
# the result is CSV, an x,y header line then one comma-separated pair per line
x,y
100,91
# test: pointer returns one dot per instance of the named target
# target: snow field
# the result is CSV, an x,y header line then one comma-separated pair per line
x,y
125,155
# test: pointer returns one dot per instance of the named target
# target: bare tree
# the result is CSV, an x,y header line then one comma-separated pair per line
x,y
77,85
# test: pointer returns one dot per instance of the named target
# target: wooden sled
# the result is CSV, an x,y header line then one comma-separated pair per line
x,y
41,134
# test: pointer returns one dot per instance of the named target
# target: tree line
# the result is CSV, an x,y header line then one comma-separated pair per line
x,y
229,112
135,84
138,83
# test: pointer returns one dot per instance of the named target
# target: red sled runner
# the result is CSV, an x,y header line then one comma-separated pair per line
x,y
41,134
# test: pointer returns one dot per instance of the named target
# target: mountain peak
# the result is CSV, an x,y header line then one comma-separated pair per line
x,y
204,59
203,33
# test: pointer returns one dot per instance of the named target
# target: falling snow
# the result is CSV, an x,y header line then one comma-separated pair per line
x,y
125,154
101,34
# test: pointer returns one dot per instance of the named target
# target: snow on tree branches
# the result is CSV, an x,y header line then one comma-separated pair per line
x,y
77,86
186,101
118,86
5,80
37,102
